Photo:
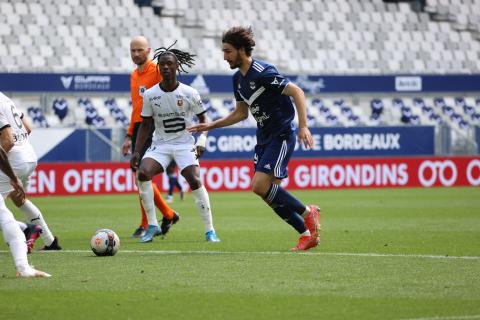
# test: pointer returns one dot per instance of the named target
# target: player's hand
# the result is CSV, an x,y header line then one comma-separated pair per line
x,y
135,161
18,191
199,151
127,146
305,137
198,128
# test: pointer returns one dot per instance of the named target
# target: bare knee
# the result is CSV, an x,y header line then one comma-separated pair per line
x,y
192,175
17,199
143,175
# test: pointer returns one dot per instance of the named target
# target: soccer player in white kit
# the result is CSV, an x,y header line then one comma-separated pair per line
x,y
14,131
171,106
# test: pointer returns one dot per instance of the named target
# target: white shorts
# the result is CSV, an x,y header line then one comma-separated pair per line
x,y
183,154
23,172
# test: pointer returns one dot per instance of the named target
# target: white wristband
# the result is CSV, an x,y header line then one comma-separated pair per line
x,y
201,141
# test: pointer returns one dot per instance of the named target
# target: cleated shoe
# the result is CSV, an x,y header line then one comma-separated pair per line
x,y
139,232
167,223
305,243
32,273
32,232
152,231
53,246
312,221
211,236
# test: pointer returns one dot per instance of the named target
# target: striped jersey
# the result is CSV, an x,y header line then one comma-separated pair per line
x,y
261,89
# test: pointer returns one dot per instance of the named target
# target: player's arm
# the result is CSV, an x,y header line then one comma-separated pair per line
x,y
26,124
127,143
7,169
6,138
238,114
142,136
304,135
200,145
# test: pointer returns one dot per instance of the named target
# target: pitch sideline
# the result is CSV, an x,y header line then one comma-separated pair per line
x,y
339,254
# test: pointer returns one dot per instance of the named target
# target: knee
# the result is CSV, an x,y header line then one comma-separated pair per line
x,y
260,189
143,175
17,199
194,183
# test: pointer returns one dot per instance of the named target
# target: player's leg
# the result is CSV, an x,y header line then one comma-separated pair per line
x,y
32,232
30,210
179,187
270,167
161,204
15,240
149,167
171,185
190,170
140,231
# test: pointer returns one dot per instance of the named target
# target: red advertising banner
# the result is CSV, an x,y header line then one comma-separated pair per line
x,y
114,177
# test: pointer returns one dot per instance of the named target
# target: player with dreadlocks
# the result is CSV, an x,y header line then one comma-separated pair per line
x,y
170,107
145,75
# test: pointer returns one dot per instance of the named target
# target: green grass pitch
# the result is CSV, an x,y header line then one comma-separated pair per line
x,y
384,254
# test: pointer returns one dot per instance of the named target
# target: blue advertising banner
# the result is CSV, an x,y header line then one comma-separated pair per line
x,y
205,84
239,143
79,145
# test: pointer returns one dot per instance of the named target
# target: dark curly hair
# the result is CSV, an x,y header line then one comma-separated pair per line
x,y
240,37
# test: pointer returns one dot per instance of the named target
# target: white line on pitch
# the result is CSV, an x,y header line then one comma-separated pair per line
x,y
473,317
339,254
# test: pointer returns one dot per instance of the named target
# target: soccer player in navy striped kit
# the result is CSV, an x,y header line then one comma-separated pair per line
x,y
259,87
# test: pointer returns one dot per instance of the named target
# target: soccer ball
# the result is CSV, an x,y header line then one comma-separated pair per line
x,y
105,242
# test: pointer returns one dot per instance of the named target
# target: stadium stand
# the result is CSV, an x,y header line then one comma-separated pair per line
x,y
327,37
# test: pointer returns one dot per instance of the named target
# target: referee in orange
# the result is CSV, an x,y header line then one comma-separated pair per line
x,y
143,77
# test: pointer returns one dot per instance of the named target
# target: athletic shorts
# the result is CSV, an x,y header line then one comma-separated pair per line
x,y
23,172
272,158
183,154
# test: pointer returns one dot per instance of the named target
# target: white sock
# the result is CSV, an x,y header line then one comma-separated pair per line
x,y
306,212
34,216
203,206
306,233
146,194
22,225
16,241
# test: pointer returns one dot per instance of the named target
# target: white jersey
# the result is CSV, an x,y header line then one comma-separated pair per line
x,y
172,112
10,116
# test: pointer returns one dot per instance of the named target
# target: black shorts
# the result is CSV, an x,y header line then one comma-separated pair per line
x,y
136,126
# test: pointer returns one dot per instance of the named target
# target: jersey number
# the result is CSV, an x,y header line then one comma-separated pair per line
x,y
173,125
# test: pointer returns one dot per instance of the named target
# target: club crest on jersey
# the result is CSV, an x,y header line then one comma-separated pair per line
x,y
252,85
141,90
180,103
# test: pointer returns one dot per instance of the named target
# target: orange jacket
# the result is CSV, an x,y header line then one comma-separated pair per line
x,y
139,82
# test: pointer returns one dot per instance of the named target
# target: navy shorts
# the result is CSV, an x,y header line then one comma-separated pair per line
x,y
272,158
